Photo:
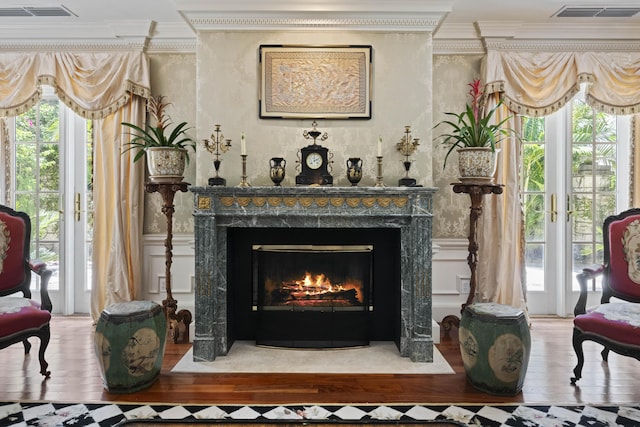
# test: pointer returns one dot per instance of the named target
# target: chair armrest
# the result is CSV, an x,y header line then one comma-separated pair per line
x,y
587,274
40,268
594,270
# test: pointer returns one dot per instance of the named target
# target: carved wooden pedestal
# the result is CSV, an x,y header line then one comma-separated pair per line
x,y
476,192
178,321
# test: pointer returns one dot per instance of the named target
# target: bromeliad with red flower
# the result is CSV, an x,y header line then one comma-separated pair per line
x,y
473,127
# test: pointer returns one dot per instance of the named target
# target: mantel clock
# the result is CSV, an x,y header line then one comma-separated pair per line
x,y
314,161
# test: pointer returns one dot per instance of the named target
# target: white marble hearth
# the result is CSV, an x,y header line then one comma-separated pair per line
x,y
380,357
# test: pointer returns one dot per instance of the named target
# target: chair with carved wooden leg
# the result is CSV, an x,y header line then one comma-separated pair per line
x,y
20,316
614,324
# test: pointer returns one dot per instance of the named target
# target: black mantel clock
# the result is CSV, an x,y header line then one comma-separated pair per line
x,y
314,161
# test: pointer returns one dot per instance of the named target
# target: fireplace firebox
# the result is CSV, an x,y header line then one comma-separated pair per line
x,y
312,295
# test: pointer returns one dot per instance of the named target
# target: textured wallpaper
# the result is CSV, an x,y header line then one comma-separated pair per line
x,y
451,74
174,75
228,94
401,94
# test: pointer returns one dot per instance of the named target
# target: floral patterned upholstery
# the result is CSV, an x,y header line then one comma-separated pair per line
x,y
615,325
20,316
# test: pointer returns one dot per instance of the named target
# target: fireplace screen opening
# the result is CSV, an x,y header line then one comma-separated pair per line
x,y
312,277
312,296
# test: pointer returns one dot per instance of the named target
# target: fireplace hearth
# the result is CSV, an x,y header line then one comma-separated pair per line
x,y
393,302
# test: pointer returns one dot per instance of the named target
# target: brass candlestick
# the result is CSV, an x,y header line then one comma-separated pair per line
x,y
407,147
243,180
216,146
379,182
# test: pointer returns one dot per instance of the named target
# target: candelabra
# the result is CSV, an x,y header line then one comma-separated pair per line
x,y
216,146
379,181
243,181
407,146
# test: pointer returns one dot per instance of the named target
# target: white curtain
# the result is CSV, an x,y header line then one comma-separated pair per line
x,y
500,234
537,84
109,88
119,196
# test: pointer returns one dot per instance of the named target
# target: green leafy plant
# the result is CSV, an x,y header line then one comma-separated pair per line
x,y
473,127
159,134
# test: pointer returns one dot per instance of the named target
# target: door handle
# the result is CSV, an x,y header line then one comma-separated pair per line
x,y
554,208
77,207
569,211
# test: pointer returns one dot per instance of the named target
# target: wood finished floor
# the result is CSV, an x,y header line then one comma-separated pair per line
x,y
75,376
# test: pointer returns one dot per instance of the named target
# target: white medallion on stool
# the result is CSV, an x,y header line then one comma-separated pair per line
x,y
505,357
141,352
468,348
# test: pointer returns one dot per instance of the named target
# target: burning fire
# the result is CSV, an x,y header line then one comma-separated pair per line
x,y
319,284
318,289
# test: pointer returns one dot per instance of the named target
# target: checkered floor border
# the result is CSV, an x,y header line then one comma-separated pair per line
x,y
110,414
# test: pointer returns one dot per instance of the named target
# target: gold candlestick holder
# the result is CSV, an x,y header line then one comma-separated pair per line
x,y
216,146
407,146
379,181
243,179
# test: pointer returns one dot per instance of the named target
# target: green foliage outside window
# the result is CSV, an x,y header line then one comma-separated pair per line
x,y
37,172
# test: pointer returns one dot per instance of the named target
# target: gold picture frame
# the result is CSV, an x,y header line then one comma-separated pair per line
x,y
315,82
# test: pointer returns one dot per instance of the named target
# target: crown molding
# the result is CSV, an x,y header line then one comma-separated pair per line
x,y
546,45
280,21
172,46
103,36
54,45
458,47
564,31
365,15
478,38
312,6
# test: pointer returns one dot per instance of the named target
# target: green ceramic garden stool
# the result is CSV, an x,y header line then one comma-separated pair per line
x,y
495,344
130,339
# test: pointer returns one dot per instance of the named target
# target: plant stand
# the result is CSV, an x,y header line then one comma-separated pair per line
x,y
178,321
476,192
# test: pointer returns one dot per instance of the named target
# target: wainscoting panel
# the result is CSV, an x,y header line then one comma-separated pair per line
x,y
450,276
182,270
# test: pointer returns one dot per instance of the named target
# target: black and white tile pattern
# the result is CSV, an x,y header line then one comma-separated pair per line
x,y
109,414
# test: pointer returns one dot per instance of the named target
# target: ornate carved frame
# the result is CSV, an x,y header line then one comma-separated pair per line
x,y
330,82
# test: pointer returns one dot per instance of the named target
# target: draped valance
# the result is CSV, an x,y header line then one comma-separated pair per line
x,y
94,85
537,84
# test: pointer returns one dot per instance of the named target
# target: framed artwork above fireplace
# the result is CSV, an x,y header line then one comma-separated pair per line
x,y
320,82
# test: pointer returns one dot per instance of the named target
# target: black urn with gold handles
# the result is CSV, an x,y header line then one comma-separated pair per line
x,y
277,169
354,170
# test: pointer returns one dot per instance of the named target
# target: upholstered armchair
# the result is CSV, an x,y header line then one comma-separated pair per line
x,y
20,316
613,323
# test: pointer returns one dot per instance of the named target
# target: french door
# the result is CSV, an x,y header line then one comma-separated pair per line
x,y
575,173
50,179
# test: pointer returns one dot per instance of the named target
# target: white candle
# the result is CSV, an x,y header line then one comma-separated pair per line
x,y
379,146
243,145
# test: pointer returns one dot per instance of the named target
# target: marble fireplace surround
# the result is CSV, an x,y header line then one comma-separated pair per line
x,y
218,208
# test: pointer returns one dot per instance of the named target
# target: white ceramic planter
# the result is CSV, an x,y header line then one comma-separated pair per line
x,y
166,165
477,164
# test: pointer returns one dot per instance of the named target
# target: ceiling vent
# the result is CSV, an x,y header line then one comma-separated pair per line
x,y
12,12
596,12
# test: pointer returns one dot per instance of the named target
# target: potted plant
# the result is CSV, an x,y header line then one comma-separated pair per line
x,y
166,151
475,137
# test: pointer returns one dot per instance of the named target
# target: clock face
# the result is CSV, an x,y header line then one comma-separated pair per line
x,y
314,160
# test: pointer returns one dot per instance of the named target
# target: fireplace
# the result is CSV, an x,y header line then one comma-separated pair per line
x,y
235,227
312,295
